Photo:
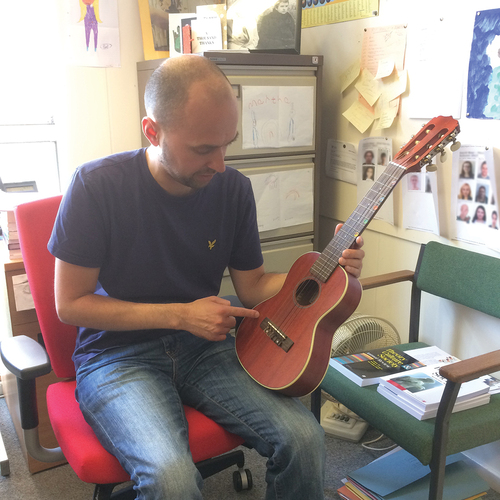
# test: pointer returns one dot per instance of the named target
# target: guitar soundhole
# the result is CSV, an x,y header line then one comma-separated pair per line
x,y
307,293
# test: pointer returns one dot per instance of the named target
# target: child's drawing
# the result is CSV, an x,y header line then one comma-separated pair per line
x,y
90,18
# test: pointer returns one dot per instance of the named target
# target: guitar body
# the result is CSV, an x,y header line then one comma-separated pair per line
x,y
307,312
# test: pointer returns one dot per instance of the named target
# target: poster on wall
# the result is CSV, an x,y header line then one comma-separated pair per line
x,y
483,87
474,199
92,33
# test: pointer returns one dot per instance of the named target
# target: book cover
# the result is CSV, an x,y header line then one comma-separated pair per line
x,y
424,387
366,368
176,32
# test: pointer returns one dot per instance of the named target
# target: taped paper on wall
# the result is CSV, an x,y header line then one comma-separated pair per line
x,y
277,117
283,198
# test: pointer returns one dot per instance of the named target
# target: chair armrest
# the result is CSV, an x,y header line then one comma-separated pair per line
x,y
472,368
386,279
27,360
24,357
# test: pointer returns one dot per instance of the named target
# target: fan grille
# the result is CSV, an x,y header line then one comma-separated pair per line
x,y
361,332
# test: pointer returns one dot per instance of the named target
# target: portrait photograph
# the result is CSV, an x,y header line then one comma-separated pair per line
x,y
264,26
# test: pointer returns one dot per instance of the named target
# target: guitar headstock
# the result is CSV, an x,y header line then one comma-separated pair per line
x,y
427,143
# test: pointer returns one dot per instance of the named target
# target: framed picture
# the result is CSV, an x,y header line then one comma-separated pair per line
x,y
264,25
155,23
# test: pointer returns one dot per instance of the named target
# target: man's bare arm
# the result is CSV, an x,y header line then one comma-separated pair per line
x,y
77,304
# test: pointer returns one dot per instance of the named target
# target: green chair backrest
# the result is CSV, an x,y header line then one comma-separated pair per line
x,y
465,277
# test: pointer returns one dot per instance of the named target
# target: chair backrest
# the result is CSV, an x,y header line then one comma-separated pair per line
x,y
34,221
465,277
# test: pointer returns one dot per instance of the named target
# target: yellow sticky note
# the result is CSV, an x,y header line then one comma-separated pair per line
x,y
368,87
388,113
360,116
349,75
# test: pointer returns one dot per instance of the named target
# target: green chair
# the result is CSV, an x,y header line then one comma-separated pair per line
x,y
464,277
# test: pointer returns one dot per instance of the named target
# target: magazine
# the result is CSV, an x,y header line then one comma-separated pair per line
x,y
367,368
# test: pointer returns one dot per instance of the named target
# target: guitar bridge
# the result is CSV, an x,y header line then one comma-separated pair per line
x,y
276,335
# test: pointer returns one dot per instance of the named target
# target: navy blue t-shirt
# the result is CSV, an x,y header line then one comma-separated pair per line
x,y
150,246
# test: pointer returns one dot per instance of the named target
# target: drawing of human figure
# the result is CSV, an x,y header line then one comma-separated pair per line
x,y
90,18
255,132
291,125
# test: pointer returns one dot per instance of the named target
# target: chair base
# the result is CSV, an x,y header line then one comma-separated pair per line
x,y
207,468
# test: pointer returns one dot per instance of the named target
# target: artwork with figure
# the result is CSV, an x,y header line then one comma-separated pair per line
x,y
264,25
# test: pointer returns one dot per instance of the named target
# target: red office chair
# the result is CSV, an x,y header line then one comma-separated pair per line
x,y
27,360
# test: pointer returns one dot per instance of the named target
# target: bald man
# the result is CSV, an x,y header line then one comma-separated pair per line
x,y
141,243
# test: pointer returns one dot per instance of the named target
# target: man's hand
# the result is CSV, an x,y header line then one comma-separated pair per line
x,y
212,317
352,258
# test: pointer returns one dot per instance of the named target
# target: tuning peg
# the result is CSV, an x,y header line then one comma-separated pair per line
x,y
443,157
455,146
431,167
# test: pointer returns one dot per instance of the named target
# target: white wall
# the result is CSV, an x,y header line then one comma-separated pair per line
x,y
456,329
98,112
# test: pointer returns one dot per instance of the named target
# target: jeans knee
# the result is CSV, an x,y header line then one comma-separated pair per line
x,y
166,479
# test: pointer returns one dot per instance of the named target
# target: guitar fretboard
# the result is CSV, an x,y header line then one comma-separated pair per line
x,y
357,221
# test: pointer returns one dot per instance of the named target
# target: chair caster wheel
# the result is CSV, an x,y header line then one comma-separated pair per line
x,y
242,480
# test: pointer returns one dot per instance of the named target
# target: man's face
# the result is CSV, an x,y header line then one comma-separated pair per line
x,y
484,170
368,157
464,210
193,150
282,8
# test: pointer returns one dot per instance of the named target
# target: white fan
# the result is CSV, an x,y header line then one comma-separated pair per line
x,y
358,333
361,332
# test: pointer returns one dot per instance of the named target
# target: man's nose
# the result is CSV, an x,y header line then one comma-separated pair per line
x,y
217,162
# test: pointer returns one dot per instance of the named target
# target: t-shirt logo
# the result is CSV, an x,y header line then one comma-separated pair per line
x,y
211,244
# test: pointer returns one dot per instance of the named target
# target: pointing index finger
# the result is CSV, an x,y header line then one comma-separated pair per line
x,y
243,312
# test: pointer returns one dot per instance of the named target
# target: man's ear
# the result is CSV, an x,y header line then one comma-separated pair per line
x,y
150,130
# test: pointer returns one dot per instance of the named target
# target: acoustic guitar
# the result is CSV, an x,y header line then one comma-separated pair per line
x,y
288,347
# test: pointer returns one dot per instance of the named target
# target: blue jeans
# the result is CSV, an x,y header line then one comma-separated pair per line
x,y
133,396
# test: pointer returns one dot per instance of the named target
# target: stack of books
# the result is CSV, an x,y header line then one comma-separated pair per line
x,y
420,392
411,379
9,232
399,475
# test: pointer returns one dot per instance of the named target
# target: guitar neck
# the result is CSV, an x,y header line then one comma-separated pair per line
x,y
357,221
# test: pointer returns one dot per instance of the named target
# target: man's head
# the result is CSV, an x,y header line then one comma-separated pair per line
x,y
168,88
281,6
464,210
484,169
192,118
